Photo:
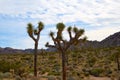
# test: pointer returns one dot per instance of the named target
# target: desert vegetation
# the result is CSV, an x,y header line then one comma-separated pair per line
x,y
67,62
82,64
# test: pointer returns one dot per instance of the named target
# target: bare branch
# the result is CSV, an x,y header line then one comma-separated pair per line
x,y
69,31
48,45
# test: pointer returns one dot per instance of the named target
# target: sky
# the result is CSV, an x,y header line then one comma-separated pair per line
x,y
99,18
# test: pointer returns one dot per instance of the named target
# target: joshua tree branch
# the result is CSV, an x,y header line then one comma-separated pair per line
x,y
47,45
70,34
32,37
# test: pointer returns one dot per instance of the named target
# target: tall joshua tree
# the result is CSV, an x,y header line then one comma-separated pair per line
x,y
117,58
63,45
117,55
35,35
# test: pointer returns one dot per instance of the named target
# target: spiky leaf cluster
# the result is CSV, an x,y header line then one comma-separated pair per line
x,y
31,31
60,27
73,39
40,26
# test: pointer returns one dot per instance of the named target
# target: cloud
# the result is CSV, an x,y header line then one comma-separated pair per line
x,y
101,33
99,17
77,10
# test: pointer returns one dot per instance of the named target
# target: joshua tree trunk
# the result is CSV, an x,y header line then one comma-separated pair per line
x,y
66,56
63,66
118,63
35,59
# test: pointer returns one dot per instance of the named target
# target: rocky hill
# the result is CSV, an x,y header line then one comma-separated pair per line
x,y
9,50
111,41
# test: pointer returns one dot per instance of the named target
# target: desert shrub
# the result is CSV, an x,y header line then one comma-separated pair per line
x,y
58,78
86,74
96,72
71,78
52,57
1,75
18,78
51,78
47,69
7,75
91,61
26,58
22,71
54,73
43,71
4,66
86,70
108,72
74,55
57,67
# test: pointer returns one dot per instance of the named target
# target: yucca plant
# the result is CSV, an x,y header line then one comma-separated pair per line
x,y
63,45
117,57
35,35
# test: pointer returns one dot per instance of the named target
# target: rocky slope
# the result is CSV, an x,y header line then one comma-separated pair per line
x,y
111,41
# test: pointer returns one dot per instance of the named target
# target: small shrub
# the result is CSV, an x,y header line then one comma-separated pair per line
x,y
52,57
7,75
71,78
51,78
54,73
1,75
96,72
58,78
18,78
86,74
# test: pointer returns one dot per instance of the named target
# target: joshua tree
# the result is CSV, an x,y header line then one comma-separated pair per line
x,y
63,45
35,35
117,55
117,59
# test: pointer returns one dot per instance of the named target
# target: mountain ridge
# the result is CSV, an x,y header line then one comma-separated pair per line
x,y
110,41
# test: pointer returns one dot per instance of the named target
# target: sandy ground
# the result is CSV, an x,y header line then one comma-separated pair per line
x,y
91,78
99,78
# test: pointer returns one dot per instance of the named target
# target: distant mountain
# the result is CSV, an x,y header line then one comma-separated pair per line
x,y
9,50
111,41
89,44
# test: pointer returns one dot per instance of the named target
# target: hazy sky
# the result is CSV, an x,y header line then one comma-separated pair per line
x,y
99,18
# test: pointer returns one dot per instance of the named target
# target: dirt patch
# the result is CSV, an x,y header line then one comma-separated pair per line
x,y
99,78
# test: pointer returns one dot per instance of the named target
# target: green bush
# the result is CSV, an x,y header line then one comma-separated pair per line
x,y
7,75
96,72
5,66
1,75
54,73
51,78
18,78
71,78
58,78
